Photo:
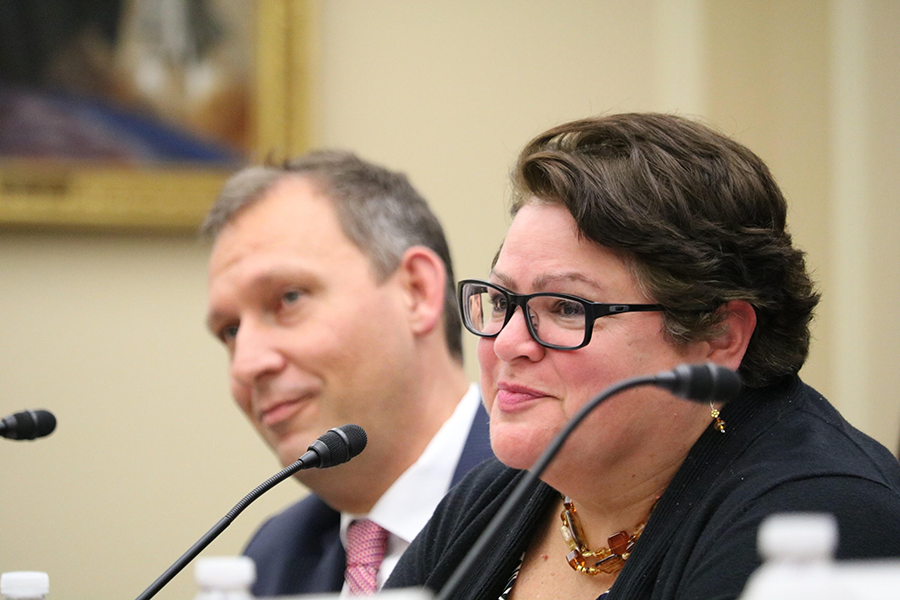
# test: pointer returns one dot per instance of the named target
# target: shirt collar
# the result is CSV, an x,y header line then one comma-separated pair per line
x,y
427,480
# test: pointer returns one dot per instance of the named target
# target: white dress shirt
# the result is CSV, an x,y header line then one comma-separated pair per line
x,y
427,481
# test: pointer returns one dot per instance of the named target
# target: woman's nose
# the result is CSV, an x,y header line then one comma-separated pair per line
x,y
515,339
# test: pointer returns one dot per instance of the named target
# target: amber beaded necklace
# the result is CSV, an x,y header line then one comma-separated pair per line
x,y
603,560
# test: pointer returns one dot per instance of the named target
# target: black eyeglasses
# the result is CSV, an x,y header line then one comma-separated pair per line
x,y
557,321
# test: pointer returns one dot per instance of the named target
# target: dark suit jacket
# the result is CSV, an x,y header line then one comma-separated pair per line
x,y
299,551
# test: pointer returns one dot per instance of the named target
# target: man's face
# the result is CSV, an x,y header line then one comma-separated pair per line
x,y
314,340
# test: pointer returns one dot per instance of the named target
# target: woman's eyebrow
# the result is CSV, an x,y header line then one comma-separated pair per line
x,y
544,281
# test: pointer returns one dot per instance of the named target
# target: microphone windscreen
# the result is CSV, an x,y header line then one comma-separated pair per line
x,y
708,382
728,385
45,423
356,438
337,446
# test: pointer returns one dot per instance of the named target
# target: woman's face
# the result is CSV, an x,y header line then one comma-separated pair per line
x,y
531,392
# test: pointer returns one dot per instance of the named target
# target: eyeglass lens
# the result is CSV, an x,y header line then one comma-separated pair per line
x,y
554,319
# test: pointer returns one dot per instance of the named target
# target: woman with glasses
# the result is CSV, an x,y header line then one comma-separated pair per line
x,y
641,242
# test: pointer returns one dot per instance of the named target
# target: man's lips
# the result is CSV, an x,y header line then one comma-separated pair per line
x,y
511,397
281,411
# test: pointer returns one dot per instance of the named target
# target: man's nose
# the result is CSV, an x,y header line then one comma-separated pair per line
x,y
255,354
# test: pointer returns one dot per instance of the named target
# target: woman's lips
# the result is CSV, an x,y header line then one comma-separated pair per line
x,y
514,397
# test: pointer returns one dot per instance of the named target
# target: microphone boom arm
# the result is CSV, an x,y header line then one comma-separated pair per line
x,y
219,527
698,383
334,447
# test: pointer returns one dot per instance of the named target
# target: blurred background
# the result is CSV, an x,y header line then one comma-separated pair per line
x,y
104,325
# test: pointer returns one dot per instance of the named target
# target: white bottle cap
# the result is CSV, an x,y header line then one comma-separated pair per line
x,y
24,584
225,572
798,537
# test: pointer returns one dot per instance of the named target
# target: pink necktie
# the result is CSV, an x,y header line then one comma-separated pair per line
x,y
366,544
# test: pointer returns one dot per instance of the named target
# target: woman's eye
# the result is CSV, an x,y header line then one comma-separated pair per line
x,y
567,308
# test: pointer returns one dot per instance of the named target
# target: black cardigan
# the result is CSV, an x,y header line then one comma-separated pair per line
x,y
785,449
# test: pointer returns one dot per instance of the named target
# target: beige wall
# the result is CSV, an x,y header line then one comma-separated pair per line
x,y
106,330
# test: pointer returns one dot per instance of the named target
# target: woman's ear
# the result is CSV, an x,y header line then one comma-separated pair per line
x,y
424,279
737,327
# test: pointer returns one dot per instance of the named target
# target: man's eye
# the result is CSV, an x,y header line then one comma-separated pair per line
x,y
291,296
227,334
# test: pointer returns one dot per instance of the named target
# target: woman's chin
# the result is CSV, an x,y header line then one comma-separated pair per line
x,y
515,449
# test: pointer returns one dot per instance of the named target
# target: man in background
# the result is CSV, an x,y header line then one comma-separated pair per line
x,y
331,286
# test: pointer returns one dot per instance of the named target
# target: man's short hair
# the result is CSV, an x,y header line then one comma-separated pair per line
x,y
378,209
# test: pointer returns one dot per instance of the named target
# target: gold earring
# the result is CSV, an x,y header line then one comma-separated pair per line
x,y
714,413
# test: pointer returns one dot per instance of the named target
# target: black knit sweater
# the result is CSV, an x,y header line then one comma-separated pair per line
x,y
786,449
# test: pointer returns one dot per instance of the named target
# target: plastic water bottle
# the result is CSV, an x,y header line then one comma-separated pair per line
x,y
225,578
799,562
798,552
24,585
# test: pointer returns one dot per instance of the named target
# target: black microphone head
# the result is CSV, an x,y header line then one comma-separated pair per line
x,y
337,446
28,425
708,382
355,437
45,423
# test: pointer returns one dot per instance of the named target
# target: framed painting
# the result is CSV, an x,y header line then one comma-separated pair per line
x,y
130,114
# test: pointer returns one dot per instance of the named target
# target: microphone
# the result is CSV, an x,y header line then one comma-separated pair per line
x,y
699,383
28,425
334,447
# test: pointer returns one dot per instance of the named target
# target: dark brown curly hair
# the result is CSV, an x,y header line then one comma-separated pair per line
x,y
698,217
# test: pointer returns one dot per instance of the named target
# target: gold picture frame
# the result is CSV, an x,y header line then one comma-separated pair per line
x,y
98,195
